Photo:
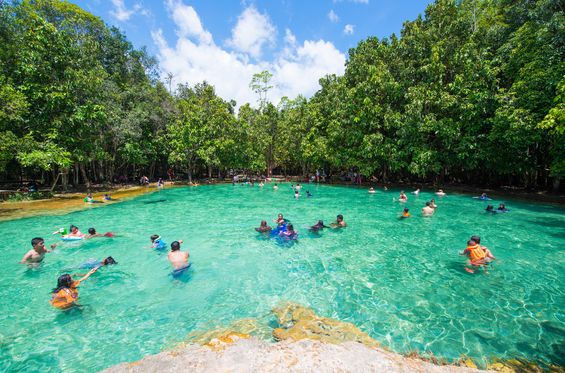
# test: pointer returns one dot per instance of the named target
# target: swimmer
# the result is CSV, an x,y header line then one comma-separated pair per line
x,y
433,203
275,187
477,239
308,194
298,187
74,232
263,228
416,192
296,195
65,295
339,223
385,188
88,198
37,253
261,185
92,233
318,226
280,219
490,208
405,214
98,263
477,256
440,193
372,190
289,233
428,210
157,243
178,259
402,197
502,208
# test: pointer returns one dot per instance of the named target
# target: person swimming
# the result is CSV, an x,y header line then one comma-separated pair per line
x,y
405,214
65,295
74,232
308,194
157,243
318,226
178,259
502,208
275,187
416,192
296,194
92,233
339,223
264,228
402,197
289,233
280,220
93,263
440,193
428,210
490,208
372,190
433,203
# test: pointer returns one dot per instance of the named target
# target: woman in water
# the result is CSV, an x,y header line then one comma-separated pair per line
x,y
402,197
264,228
371,190
65,295
289,233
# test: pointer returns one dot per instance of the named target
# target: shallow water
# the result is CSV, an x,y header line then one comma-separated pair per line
x,y
401,281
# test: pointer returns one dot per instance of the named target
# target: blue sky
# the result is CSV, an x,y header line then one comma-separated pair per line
x,y
226,42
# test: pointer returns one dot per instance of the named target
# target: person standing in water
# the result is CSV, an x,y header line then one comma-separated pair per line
x,y
37,253
65,295
178,259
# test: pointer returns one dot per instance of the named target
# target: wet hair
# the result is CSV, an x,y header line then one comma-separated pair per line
x,y
109,260
428,204
263,223
175,245
36,240
490,208
320,222
477,239
71,227
91,231
154,237
64,281
289,228
340,217
406,210
471,242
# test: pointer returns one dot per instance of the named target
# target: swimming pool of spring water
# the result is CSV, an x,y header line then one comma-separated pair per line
x,y
401,281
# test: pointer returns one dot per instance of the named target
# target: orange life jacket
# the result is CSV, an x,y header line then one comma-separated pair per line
x,y
476,252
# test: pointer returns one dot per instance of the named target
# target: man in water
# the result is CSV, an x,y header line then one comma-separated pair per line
x,y
339,223
178,259
428,210
37,253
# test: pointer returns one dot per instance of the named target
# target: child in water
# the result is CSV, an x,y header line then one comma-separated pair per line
x,y
65,295
405,214
264,228
157,243
92,233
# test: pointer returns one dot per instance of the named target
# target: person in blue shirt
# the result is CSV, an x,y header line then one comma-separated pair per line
x,y
157,243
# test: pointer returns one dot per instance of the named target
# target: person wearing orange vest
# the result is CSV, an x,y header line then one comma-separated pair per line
x,y
477,255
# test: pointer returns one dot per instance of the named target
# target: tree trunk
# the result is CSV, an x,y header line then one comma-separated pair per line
x,y
556,184
84,176
151,170
56,178
209,172
75,175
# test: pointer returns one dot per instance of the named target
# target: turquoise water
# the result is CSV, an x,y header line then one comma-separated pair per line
x,y
401,281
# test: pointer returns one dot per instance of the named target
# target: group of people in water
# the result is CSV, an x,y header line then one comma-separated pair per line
x,y
65,295
285,230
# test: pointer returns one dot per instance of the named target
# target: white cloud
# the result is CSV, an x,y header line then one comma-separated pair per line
x,y
187,22
349,29
333,16
296,69
252,31
121,13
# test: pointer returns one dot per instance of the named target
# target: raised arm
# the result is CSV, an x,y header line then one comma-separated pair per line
x,y
87,275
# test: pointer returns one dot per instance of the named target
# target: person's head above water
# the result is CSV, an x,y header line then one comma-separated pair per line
x,y
154,237
37,241
64,281
489,208
406,210
428,204
289,228
471,243
91,231
501,206
175,246
476,239
339,217
73,228
263,223
109,260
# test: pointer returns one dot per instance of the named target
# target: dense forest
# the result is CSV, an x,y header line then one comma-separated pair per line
x,y
471,92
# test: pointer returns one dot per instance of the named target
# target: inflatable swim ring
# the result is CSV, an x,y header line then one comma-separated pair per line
x,y
72,238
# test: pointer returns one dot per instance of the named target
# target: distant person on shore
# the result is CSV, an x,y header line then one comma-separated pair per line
x,y
144,180
160,183
170,174
37,253
440,193
339,223
65,295
428,210
178,259
405,214
263,228
90,199
107,197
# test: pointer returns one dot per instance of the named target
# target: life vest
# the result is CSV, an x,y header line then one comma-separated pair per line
x,y
65,297
476,252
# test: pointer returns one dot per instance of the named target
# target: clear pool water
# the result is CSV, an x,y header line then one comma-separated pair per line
x,y
400,281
